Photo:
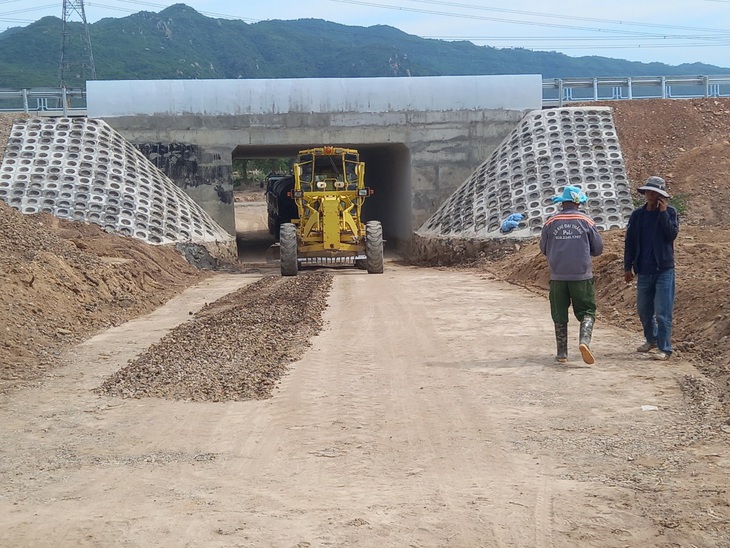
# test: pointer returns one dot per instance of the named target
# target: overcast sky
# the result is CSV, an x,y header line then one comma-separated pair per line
x,y
668,31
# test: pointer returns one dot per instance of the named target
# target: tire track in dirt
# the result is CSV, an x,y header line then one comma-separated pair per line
x,y
374,357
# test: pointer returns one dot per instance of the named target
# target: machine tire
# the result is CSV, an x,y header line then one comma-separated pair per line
x,y
361,264
288,249
374,247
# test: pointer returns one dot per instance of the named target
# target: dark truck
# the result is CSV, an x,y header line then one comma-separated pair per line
x,y
280,206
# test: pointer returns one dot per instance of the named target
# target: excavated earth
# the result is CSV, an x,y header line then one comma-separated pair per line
x,y
65,281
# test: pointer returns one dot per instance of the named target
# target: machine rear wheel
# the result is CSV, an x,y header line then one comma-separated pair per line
x,y
374,247
288,249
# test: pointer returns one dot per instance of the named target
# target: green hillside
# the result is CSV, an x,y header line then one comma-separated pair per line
x,y
178,42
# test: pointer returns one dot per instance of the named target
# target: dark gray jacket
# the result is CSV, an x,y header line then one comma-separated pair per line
x,y
569,239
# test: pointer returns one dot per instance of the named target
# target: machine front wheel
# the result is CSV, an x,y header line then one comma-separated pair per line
x,y
374,247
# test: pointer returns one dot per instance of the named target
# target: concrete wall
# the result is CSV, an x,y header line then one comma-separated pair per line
x,y
420,137
306,95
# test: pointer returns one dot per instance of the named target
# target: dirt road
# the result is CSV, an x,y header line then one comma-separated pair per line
x,y
428,412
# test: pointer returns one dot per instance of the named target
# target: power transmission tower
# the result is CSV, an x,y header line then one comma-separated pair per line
x,y
70,34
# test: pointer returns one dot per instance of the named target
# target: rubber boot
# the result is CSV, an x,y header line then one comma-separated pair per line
x,y
561,338
586,332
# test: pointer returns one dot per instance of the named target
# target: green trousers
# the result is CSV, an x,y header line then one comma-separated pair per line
x,y
580,294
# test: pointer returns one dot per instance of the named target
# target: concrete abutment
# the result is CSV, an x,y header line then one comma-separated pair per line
x,y
413,161
155,160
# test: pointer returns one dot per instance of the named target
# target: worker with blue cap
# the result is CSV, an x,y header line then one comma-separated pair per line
x,y
569,239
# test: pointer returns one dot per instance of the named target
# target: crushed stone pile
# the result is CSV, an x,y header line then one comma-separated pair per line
x,y
236,348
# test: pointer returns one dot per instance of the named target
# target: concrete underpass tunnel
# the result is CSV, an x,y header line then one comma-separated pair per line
x,y
387,172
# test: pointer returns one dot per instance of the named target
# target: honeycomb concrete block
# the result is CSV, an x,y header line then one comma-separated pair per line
x,y
548,150
81,169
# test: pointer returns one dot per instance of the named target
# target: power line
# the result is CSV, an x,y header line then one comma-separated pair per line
x,y
25,10
606,36
566,17
523,22
21,21
163,6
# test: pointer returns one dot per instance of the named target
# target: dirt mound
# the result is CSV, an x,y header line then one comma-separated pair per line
x,y
687,143
63,281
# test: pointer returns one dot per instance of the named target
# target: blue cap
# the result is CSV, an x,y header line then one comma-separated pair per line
x,y
571,194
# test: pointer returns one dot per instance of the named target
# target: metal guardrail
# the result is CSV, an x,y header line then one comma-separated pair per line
x,y
561,91
47,101
556,92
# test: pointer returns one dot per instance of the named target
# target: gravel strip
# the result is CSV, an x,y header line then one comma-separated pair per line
x,y
234,349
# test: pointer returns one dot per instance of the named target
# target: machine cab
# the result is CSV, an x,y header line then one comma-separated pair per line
x,y
328,169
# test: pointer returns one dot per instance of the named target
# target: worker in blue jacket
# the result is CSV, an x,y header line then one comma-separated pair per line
x,y
569,239
649,252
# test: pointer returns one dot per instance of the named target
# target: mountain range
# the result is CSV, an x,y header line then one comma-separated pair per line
x,y
180,43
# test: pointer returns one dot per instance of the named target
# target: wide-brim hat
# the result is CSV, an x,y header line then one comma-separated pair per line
x,y
657,184
571,194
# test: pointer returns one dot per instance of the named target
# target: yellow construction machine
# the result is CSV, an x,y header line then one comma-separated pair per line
x,y
329,192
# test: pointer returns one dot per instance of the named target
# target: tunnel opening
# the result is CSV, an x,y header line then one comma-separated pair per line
x,y
387,173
